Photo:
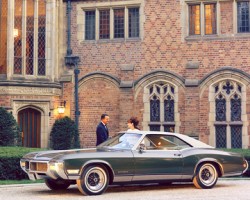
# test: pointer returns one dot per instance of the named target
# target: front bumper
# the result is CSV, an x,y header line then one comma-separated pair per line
x,y
46,169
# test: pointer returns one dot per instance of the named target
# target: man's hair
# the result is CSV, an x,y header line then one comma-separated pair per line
x,y
104,115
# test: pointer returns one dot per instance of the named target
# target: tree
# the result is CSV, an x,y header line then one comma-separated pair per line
x,y
10,134
64,134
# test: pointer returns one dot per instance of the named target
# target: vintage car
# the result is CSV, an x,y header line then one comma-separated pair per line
x,y
134,157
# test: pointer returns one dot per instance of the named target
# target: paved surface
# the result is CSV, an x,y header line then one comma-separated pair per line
x,y
232,189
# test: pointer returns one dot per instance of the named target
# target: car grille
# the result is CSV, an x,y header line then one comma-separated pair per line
x,y
38,166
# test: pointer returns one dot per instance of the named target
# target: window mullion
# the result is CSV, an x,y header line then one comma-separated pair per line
x,y
111,24
202,20
35,42
162,108
97,22
126,21
24,34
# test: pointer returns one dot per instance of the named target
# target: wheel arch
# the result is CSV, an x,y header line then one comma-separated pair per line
x,y
100,163
213,161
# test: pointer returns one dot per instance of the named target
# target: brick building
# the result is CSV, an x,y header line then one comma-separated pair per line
x,y
176,65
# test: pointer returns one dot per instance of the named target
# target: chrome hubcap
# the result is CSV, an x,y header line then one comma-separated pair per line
x,y
208,174
95,179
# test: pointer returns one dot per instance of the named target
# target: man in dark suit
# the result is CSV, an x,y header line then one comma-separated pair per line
x,y
102,132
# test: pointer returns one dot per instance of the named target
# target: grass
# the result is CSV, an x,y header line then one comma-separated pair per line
x,y
11,182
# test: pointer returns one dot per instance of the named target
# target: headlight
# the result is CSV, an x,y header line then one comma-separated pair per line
x,y
55,166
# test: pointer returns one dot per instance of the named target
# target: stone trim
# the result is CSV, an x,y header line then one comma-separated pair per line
x,y
44,108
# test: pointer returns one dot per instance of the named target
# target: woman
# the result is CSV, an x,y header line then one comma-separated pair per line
x,y
133,124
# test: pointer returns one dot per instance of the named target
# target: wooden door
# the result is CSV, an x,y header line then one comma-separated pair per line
x,y
29,121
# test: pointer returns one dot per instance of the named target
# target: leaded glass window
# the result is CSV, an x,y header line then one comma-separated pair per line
x,y
116,22
169,109
243,16
134,22
162,113
30,37
221,136
3,36
119,23
104,26
194,20
41,38
236,136
236,108
220,104
18,42
90,25
154,109
228,123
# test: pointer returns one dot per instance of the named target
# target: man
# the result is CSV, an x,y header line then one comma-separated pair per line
x,y
102,132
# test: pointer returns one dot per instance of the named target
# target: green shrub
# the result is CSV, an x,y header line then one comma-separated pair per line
x,y
10,162
10,134
64,135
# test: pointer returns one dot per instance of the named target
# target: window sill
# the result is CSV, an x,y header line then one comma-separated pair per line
x,y
217,37
115,40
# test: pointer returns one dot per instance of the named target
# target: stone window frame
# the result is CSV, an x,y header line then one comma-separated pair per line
x,y
202,4
212,114
185,23
146,101
50,44
81,7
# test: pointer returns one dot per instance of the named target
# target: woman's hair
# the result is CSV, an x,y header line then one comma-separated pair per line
x,y
134,121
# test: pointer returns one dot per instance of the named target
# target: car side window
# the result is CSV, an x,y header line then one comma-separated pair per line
x,y
163,142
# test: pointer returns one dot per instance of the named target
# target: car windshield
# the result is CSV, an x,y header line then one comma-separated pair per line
x,y
122,141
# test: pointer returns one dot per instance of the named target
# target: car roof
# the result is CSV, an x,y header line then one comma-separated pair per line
x,y
193,142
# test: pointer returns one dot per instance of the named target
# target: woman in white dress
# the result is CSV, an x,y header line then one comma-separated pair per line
x,y
133,124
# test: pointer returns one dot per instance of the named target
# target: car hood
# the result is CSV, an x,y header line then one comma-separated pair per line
x,y
52,154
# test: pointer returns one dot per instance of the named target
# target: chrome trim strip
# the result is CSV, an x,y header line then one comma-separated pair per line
x,y
97,161
232,174
122,179
156,177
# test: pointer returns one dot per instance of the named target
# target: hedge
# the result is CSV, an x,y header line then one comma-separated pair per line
x,y
10,162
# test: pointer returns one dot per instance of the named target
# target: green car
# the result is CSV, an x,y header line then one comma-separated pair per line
x,y
134,157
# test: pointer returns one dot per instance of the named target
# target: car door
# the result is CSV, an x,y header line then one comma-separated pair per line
x,y
158,161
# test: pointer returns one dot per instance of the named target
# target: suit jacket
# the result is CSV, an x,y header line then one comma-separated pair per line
x,y
102,133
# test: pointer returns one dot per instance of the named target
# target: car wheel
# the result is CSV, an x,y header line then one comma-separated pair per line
x,y
57,184
206,176
94,180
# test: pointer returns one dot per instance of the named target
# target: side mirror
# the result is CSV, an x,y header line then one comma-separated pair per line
x,y
142,147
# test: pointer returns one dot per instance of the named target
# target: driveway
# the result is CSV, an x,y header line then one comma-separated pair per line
x,y
226,189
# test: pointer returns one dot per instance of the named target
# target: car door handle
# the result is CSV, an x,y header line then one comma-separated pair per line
x,y
177,154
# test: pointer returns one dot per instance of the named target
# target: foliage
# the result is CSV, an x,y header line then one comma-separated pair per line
x,y
10,162
64,135
10,134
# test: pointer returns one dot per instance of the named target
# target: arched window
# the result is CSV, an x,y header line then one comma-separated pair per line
x,y
162,107
228,110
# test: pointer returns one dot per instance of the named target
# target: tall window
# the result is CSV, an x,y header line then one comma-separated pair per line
x,y
228,123
243,16
197,19
104,24
119,23
112,23
134,22
162,113
90,25
29,42
3,36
